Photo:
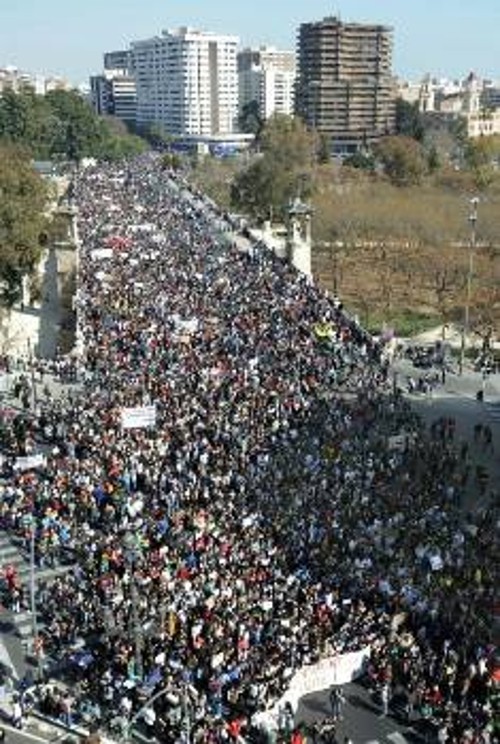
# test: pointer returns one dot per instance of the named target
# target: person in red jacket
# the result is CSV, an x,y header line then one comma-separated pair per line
x,y
297,737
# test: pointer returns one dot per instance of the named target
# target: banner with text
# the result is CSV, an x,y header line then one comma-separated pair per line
x,y
138,418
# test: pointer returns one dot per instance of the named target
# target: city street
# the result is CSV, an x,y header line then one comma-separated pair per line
x,y
457,399
361,720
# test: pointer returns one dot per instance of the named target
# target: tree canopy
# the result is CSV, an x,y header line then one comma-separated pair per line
x,y
403,159
409,120
23,200
250,120
61,125
281,172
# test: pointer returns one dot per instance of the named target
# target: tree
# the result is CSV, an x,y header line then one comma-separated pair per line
x,y
62,125
157,136
119,146
480,156
403,159
409,120
287,140
324,152
250,120
282,172
23,199
445,279
25,120
361,160
485,312
77,133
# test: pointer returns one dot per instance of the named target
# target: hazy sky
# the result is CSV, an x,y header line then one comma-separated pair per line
x,y
448,38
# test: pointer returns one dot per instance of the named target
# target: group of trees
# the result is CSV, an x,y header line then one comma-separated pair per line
x,y
281,171
23,202
61,125
390,228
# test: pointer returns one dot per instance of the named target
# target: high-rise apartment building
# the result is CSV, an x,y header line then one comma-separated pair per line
x,y
114,91
187,82
345,87
267,76
118,61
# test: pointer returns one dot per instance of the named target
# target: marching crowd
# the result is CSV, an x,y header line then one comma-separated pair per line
x,y
285,504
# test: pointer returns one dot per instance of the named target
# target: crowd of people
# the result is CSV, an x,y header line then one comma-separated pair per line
x,y
284,504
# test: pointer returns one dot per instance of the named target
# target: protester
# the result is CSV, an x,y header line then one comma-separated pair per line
x,y
284,506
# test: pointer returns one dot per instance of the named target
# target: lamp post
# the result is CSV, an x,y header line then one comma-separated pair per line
x,y
472,247
185,712
131,554
32,372
37,649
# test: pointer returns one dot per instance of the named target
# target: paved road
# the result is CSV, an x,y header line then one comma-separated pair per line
x,y
457,399
361,719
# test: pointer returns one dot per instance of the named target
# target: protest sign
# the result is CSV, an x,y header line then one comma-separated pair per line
x,y
30,462
138,418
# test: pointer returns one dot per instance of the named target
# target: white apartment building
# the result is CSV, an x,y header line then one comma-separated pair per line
x,y
186,82
267,75
14,79
114,91
483,123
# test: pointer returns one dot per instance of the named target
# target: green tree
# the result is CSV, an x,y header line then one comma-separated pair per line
x,y
250,120
403,159
119,146
324,153
23,199
282,172
361,160
157,136
62,125
76,129
433,159
409,120
23,117
481,155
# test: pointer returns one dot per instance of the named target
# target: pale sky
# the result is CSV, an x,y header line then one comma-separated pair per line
x,y
447,38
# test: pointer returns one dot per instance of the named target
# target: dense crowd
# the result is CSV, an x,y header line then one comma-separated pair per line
x,y
285,505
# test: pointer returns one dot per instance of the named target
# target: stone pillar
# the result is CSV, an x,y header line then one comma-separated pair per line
x,y
299,236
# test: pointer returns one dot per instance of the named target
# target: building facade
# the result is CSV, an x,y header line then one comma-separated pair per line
x,y
11,78
345,87
186,82
267,76
113,92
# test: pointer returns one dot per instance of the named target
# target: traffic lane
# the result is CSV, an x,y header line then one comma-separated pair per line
x,y
361,719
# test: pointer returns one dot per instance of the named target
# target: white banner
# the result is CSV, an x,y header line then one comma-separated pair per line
x,y
334,670
30,462
138,418
99,253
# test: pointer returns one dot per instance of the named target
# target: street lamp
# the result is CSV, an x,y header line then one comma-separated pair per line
x,y
186,712
33,608
472,247
132,553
